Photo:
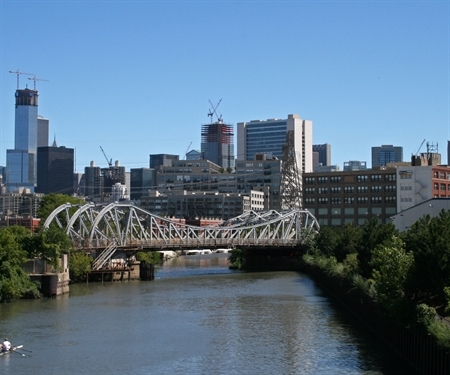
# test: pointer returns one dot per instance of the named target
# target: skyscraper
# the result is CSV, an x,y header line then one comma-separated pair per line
x,y
217,144
385,154
21,162
55,167
324,152
269,136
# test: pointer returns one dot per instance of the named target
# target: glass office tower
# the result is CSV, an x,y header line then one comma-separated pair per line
x,y
21,162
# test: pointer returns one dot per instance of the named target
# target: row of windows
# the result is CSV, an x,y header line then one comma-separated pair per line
x,y
351,189
352,211
441,175
444,187
350,200
359,178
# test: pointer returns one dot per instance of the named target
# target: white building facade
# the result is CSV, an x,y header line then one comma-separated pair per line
x,y
269,136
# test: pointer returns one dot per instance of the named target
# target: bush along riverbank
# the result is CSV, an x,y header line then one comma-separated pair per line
x,y
397,284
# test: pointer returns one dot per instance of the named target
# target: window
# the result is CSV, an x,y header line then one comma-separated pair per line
x,y
442,175
323,190
375,177
362,178
362,200
335,200
310,190
436,186
375,189
362,189
389,177
443,186
376,199
310,180
335,179
322,200
349,189
389,188
310,201
335,190
349,200
322,180
435,174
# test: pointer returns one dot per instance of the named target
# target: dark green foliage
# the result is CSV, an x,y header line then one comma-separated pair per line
x,y
49,244
51,201
429,240
236,259
14,282
349,239
373,234
79,265
150,257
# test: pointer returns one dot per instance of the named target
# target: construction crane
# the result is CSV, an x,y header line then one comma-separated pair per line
x,y
37,79
108,161
418,150
187,150
211,113
18,72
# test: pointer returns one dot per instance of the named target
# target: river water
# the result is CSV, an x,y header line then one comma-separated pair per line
x,y
196,317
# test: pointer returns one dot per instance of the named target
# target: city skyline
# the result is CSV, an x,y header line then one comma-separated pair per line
x,y
365,73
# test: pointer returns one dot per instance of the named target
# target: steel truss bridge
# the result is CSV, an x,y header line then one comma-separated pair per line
x,y
126,226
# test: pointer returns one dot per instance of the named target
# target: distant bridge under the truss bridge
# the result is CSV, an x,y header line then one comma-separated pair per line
x,y
126,226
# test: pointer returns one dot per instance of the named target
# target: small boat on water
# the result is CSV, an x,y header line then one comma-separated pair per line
x,y
13,349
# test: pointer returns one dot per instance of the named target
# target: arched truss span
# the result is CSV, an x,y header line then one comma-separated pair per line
x,y
128,226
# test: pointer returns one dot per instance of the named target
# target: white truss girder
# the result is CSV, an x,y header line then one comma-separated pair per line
x,y
129,226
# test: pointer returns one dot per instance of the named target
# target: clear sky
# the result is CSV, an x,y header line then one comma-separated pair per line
x,y
136,77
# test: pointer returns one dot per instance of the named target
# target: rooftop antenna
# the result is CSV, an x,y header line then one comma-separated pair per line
x,y
37,79
210,113
18,72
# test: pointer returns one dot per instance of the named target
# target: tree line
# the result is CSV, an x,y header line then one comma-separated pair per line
x,y
407,273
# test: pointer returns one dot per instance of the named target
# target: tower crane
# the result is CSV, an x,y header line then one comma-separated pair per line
x,y
210,113
418,150
108,161
18,72
37,79
187,150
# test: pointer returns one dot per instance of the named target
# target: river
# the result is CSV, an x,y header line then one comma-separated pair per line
x,y
196,317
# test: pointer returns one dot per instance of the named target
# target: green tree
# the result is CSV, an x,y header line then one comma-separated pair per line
x,y
49,244
349,239
14,281
52,201
79,265
373,234
429,240
392,266
327,240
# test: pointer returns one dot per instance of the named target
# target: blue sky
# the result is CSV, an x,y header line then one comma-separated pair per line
x,y
136,77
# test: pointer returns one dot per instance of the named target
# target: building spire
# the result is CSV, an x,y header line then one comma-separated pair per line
x,y
54,142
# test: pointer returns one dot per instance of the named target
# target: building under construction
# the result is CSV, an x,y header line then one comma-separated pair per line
x,y
217,141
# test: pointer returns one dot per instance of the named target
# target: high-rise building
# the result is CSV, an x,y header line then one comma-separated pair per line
x,y
324,153
448,152
42,135
355,165
141,181
385,154
21,161
159,160
217,144
55,167
269,136
92,181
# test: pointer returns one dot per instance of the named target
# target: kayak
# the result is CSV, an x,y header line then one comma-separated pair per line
x,y
11,350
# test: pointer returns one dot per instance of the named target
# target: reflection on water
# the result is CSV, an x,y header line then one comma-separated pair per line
x,y
196,317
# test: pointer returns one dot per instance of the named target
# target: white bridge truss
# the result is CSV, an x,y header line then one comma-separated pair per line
x,y
127,226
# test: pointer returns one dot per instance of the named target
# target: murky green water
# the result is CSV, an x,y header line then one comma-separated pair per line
x,y
197,317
